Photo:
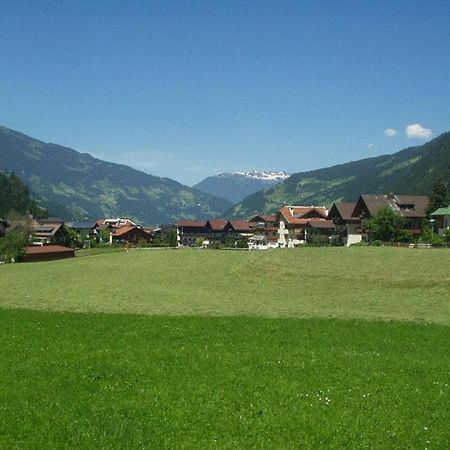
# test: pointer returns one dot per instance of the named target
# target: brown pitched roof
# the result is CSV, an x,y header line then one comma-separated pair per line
x,y
126,229
320,224
240,225
218,224
375,202
48,229
191,223
406,205
41,249
419,203
345,209
263,217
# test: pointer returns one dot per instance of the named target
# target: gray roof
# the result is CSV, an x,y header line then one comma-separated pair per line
x,y
81,225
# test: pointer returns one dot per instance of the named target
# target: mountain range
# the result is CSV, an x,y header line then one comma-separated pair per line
x,y
237,185
74,185
409,171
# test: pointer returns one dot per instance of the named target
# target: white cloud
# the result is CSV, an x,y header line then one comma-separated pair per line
x,y
416,130
390,132
370,146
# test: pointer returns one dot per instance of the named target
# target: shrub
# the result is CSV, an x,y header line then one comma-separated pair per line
x,y
318,240
216,245
12,246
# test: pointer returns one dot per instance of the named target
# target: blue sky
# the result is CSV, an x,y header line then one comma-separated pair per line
x,y
188,89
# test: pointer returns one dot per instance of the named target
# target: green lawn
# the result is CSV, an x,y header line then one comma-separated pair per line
x,y
120,381
362,283
221,349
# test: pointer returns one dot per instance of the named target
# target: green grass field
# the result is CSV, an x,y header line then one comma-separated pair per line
x,y
305,348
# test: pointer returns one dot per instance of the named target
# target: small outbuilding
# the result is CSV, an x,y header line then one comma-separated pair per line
x,y
35,253
442,216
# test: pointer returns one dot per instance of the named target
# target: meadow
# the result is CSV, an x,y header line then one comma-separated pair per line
x,y
357,283
304,348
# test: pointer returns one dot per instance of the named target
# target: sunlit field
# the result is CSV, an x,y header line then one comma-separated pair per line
x,y
309,348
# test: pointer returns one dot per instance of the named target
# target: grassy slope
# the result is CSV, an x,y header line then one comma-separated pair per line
x,y
362,283
107,381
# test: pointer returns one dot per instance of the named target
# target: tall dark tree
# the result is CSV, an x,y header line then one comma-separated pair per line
x,y
439,198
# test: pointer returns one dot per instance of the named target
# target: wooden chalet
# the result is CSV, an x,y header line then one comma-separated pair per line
x,y
190,231
130,234
49,231
348,217
216,229
265,220
238,228
324,228
411,207
348,228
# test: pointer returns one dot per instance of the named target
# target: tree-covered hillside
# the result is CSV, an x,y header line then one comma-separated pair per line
x,y
410,171
15,196
89,187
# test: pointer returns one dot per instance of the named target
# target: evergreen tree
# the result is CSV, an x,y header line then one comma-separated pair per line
x,y
439,197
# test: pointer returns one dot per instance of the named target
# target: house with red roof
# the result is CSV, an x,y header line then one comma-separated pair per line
x,y
190,232
130,234
216,229
296,222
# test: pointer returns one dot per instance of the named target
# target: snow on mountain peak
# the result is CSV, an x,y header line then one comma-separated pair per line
x,y
263,175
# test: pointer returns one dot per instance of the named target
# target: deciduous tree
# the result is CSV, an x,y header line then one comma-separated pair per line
x,y
385,226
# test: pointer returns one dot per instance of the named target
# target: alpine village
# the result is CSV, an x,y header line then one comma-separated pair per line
x,y
417,218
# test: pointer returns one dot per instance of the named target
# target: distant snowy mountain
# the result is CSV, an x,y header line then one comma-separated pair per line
x,y
238,185
261,175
